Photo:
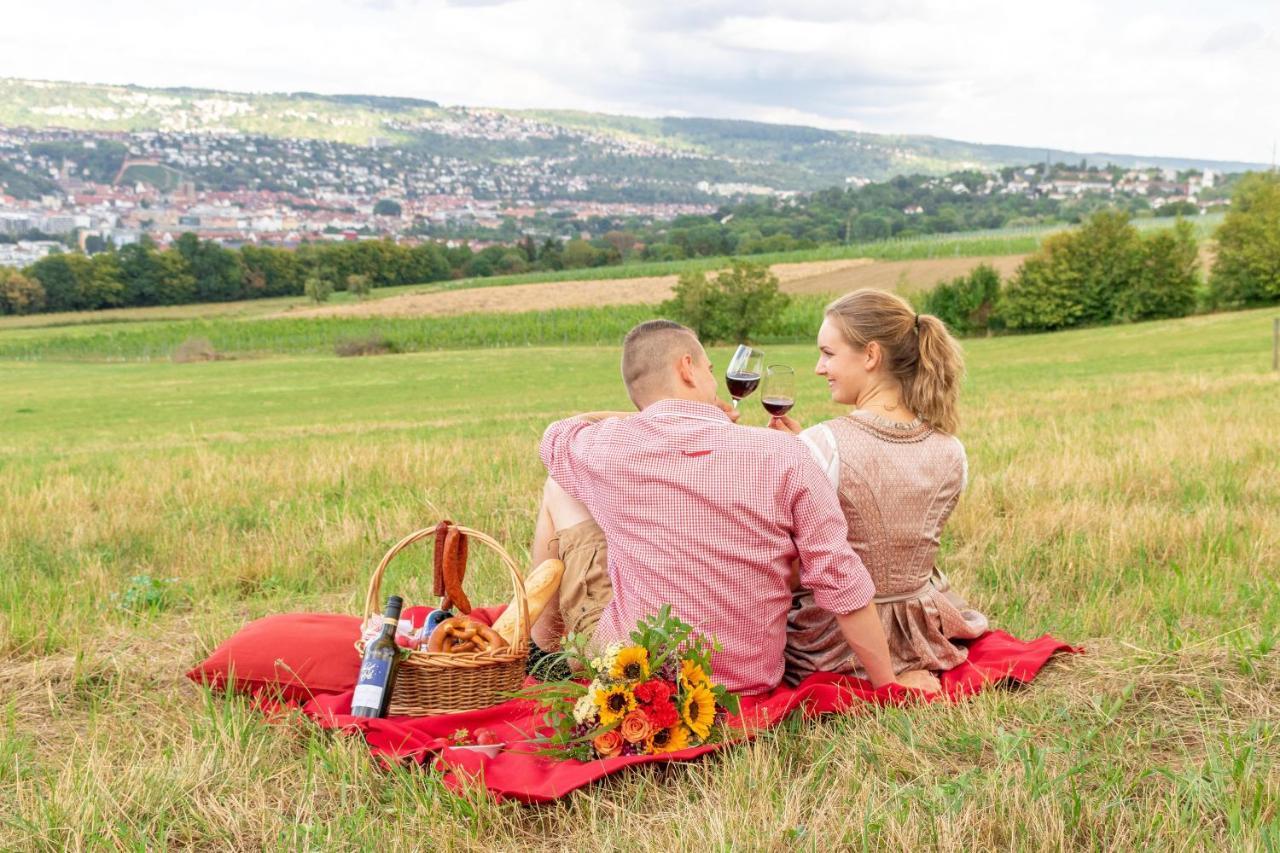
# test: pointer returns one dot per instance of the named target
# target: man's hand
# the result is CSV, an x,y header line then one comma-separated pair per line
x,y
785,424
728,409
920,679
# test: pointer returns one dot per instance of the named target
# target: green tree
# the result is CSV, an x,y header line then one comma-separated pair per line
x,y
318,288
965,303
280,271
61,275
578,254
1166,283
1045,291
738,302
218,273
387,207
1106,253
1246,270
1076,277
359,285
19,294
104,287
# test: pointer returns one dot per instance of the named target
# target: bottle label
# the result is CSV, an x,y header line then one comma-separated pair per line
x,y
373,682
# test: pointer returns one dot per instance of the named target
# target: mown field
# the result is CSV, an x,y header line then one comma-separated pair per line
x,y
1125,494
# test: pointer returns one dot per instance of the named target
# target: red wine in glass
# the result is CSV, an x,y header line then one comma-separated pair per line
x,y
741,384
778,406
779,393
744,371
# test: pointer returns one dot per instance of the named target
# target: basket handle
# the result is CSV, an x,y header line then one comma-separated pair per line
x,y
517,580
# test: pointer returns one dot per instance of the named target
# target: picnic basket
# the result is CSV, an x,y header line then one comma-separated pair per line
x,y
429,683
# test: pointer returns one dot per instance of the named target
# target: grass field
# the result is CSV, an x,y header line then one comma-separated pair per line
x,y
1124,495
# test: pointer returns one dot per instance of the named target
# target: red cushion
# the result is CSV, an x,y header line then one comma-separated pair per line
x,y
303,654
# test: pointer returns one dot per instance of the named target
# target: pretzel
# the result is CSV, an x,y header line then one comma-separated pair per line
x,y
460,635
455,569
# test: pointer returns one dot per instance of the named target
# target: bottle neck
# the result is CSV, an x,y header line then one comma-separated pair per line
x,y
390,620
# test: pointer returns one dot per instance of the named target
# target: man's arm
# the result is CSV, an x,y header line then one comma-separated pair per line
x,y
864,634
566,452
832,569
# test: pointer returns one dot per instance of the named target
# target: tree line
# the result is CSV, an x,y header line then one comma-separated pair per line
x,y
1106,271
1103,272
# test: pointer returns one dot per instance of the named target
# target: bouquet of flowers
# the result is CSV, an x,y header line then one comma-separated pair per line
x,y
654,695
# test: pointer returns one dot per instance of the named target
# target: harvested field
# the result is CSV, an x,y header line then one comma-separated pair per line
x,y
816,277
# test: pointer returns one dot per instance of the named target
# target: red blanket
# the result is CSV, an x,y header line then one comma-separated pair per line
x,y
518,772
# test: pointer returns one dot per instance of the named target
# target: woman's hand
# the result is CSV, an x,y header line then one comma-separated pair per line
x,y
785,424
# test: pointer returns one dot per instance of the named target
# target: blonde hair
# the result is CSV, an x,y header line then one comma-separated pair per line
x,y
918,351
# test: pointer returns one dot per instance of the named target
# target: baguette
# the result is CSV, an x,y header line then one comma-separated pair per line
x,y
542,583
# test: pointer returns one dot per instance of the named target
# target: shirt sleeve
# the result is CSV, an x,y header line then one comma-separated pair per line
x,y
565,450
828,564
822,446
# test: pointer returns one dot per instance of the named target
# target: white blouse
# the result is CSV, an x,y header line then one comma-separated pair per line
x,y
821,442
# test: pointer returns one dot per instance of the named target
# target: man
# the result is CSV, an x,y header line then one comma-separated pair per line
x,y
699,514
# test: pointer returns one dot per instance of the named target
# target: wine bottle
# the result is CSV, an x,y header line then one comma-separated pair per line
x,y
378,670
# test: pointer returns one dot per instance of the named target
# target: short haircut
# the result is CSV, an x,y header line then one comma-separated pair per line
x,y
648,353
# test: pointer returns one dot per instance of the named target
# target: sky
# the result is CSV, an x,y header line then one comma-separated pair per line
x,y
1176,78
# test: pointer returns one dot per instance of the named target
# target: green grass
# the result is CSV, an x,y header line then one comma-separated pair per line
x,y
1123,495
240,338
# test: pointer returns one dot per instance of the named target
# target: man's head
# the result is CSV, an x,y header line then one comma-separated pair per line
x,y
662,360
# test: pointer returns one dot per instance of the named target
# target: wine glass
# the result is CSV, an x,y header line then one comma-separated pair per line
x,y
779,392
743,374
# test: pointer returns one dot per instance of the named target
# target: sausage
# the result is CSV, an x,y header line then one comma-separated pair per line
x,y
437,559
455,568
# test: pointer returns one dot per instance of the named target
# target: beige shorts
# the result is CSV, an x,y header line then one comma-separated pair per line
x,y
585,588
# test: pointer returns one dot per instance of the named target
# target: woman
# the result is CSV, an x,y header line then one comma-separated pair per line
x,y
899,471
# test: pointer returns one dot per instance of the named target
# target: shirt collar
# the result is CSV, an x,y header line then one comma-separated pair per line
x,y
686,409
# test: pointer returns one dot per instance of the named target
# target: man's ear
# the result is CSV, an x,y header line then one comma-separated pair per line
x,y
684,369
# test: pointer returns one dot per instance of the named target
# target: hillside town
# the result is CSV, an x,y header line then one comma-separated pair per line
x,y
61,188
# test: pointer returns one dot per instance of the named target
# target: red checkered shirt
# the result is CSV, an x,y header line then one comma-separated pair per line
x,y
707,516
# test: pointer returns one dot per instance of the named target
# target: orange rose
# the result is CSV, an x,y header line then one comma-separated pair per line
x,y
636,726
608,744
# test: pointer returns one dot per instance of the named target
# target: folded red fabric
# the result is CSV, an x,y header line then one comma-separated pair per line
x,y
520,773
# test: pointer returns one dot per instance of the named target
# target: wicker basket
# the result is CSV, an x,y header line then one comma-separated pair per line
x,y
442,683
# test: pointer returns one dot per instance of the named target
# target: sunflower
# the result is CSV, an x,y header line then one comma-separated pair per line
x,y
698,710
631,664
693,674
614,703
667,740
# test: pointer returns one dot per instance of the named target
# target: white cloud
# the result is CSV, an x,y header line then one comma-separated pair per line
x,y
1171,77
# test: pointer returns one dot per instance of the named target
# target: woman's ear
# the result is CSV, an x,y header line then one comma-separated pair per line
x,y
872,356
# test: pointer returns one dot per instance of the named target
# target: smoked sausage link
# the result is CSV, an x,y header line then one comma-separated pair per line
x,y
455,568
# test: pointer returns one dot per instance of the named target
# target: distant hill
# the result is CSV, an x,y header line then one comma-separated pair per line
x,y
725,156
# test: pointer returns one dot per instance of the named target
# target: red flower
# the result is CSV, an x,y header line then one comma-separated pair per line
x,y
663,715
654,691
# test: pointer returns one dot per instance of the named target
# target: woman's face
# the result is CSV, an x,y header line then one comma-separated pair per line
x,y
844,367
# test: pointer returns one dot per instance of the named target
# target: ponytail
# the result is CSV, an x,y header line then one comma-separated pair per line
x,y
919,351
933,390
